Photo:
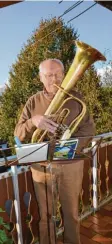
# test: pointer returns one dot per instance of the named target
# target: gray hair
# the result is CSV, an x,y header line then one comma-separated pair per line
x,y
51,59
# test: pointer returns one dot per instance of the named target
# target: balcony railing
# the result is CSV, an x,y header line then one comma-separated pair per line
x,y
18,206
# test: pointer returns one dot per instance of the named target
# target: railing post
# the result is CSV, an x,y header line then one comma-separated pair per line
x,y
17,203
95,178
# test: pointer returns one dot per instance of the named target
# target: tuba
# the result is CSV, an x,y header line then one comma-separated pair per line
x,y
85,56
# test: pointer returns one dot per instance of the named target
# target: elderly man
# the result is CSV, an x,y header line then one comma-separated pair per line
x,y
68,177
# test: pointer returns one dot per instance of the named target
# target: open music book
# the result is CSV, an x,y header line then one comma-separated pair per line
x,y
65,151
38,152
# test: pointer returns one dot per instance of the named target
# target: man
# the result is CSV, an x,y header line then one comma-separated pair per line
x,y
68,177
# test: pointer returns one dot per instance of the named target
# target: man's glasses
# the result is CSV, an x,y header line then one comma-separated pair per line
x,y
50,76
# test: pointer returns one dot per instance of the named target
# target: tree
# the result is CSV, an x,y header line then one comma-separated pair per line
x,y
107,77
104,121
90,86
24,80
105,72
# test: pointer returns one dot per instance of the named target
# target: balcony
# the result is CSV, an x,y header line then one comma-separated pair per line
x,y
19,209
97,228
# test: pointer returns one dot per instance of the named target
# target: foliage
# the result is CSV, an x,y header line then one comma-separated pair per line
x,y
104,121
95,98
4,231
107,75
89,86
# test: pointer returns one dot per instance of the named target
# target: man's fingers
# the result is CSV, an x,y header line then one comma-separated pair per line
x,y
51,122
47,126
50,127
44,123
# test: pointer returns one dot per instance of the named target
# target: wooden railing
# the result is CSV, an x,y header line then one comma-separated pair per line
x,y
97,180
18,206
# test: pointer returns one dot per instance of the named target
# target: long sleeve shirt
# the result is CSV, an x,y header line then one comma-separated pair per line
x,y
38,104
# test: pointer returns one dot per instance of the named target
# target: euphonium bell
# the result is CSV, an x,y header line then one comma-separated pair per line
x,y
85,56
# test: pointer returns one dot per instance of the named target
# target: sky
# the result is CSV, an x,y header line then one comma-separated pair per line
x,y
18,21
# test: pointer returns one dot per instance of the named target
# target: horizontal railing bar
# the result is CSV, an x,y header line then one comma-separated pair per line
x,y
86,214
106,144
103,202
20,170
92,210
103,136
9,158
101,145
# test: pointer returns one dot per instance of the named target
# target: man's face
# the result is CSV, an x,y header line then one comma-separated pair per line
x,y
52,73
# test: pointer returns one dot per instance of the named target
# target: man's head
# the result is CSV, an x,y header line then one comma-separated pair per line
x,y
51,72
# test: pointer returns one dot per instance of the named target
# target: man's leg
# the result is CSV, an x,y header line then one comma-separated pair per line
x,y
70,183
43,190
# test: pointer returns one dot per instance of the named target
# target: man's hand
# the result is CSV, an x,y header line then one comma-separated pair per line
x,y
42,122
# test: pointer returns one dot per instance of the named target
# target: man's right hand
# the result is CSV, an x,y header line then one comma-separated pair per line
x,y
44,123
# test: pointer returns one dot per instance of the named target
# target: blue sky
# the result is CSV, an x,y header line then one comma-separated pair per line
x,y
17,23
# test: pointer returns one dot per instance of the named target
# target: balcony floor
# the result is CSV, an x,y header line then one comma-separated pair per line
x,y
97,228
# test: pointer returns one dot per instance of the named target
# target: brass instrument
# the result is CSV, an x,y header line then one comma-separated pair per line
x,y
85,56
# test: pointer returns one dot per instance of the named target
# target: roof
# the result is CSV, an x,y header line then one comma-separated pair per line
x,y
7,3
106,4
